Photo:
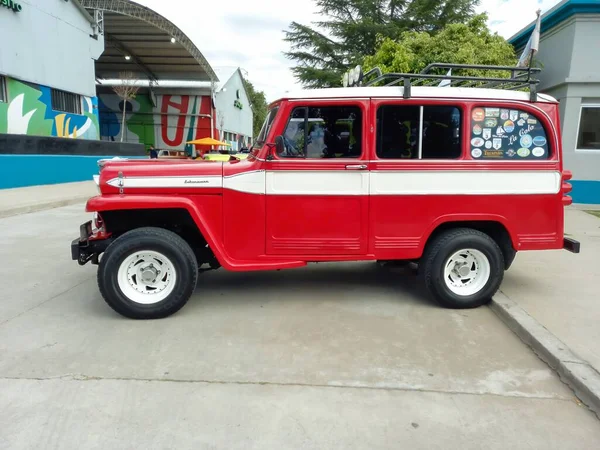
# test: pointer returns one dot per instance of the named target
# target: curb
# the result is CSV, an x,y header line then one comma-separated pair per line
x,y
578,374
42,206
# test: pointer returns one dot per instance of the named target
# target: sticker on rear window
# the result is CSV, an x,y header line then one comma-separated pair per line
x,y
492,112
477,142
509,126
523,152
526,141
478,114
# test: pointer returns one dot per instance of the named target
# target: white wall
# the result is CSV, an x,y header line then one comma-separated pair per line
x,y
238,121
48,42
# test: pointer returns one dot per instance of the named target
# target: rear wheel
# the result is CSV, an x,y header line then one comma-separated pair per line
x,y
462,268
147,273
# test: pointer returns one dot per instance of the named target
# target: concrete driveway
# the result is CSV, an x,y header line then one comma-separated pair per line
x,y
331,356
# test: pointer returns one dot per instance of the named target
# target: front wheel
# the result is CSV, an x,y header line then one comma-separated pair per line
x,y
147,273
463,268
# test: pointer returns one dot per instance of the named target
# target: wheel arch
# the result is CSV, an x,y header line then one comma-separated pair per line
x,y
126,213
494,226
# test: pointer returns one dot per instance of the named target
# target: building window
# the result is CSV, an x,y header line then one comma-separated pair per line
x,y
323,132
507,134
66,102
418,132
3,93
589,128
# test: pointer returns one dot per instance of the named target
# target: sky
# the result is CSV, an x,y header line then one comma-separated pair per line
x,y
249,34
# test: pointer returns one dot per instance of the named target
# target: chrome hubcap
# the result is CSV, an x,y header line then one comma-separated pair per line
x,y
467,272
147,277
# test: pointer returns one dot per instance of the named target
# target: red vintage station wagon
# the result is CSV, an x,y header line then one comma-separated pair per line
x,y
455,179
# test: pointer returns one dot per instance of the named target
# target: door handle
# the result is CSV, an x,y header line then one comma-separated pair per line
x,y
356,167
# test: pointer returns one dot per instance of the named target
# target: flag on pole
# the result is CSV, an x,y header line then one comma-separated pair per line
x,y
533,44
446,82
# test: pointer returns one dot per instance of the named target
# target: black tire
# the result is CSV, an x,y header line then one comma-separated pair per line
x,y
159,240
436,254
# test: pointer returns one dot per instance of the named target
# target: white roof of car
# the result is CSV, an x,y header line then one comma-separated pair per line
x,y
416,92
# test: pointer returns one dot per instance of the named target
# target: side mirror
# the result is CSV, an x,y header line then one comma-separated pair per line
x,y
279,145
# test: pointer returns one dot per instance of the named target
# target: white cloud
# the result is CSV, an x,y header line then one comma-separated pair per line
x,y
508,17
250,34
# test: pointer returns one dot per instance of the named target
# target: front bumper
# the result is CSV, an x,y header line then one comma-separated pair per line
x,y
571,245
88,246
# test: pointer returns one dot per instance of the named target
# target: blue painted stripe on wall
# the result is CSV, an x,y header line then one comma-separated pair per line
x,y
586,191
33,170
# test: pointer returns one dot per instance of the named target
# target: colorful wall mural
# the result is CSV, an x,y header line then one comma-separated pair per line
x,y
29,111
175,120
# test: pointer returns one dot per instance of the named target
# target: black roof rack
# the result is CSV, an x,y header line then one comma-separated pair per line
x,y
518,78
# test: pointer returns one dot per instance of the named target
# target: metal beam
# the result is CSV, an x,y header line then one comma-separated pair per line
x,y
114,42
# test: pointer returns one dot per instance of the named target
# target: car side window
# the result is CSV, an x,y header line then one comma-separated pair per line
x,y
507,134
323,132
418,132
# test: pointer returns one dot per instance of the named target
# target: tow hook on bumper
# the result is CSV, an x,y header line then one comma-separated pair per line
x,y
571,245
84,249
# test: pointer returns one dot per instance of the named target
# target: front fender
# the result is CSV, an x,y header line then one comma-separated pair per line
x,y
205,210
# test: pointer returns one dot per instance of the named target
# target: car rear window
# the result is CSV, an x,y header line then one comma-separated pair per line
x,y
507,134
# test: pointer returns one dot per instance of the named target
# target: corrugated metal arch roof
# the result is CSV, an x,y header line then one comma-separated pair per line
x,y
133,30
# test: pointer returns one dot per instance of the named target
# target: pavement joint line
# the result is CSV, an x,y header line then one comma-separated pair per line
x,y
4,322
85,378
36,207
578,374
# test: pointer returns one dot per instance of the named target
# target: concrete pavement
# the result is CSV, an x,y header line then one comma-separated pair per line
x,y
36,198
330,356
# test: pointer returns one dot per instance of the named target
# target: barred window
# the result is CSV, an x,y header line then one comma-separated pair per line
x,y
66,102
3,94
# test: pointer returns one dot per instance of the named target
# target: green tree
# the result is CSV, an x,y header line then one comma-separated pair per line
x,y
350,30
458,43
258,103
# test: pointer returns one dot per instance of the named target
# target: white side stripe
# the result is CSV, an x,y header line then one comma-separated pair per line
x,y
339,182
249,182
318,182
168,182
464,183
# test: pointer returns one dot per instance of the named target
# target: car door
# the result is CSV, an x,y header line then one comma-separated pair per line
x,y
317,187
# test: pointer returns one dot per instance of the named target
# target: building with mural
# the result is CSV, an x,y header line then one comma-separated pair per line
x,y
59,81
169,113
47,81
569,55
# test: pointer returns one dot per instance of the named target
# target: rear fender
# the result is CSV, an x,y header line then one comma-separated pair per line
x,y
466,218
116,202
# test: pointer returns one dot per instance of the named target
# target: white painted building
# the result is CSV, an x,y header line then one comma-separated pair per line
x,y
234,114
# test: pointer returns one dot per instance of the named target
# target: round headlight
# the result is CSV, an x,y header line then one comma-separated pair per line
x,y
357,74
345,79
352,77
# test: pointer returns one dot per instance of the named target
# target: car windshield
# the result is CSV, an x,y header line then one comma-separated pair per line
x,y
264,131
